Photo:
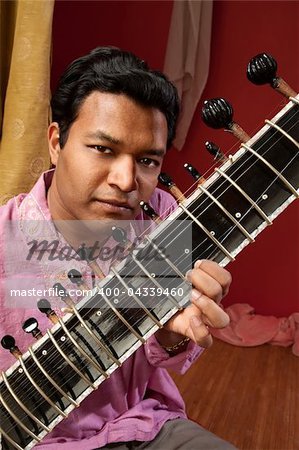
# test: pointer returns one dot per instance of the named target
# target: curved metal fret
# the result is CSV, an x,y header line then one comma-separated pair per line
x,y
210,236
290,138
50,378
277,173
69,361
123,319
9,439
252,202
149,314
82,351
172,299
180,274
21,404
42,393
227,213
95,338
16,429
294,100
12,414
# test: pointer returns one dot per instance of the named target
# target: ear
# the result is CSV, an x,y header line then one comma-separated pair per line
x,y
53,141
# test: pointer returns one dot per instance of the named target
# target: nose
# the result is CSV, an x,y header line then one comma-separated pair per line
x,y
122,174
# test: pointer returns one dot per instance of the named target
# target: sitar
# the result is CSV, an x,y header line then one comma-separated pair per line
x,y
226,211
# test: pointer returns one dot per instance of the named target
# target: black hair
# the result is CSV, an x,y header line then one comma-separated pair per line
x,y
109,69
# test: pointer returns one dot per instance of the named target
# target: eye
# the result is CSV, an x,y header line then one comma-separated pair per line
x,y
149,162
101,148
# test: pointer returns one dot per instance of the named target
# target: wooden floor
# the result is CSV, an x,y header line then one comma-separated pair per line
x,y
248,396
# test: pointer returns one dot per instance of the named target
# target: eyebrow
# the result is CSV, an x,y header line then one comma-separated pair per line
x,y
101,135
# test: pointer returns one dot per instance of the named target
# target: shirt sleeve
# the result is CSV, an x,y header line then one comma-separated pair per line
x,y
180,363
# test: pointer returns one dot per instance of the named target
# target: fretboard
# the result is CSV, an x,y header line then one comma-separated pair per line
x,y
225,214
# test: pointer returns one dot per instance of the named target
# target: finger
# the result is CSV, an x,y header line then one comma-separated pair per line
x,y
215,271
213,314
205,284
200,332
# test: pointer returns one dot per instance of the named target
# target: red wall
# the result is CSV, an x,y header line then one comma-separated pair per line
x,y
266,274
138,26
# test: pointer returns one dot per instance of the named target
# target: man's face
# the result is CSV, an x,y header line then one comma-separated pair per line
x,y
110,161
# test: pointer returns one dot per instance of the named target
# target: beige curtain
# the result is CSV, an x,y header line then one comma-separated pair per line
x,y
188,56
25,68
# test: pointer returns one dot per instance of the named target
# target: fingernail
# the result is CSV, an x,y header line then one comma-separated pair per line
x,y
197,264
195,294
188,275
195,321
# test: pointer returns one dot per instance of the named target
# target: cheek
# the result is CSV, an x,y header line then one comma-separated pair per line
x,y
147,186
80,177
88,183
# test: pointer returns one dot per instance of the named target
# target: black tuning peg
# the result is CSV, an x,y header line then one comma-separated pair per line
x,y
60,290
75,277
262,69
218,113
63,294
119,235
166,180
149,211
215,151
45,307
31,326
8,343
193,172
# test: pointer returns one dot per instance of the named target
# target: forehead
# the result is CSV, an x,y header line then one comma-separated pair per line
x,y
121,117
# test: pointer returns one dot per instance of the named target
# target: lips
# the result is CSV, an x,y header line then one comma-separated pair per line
x,y
116,204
